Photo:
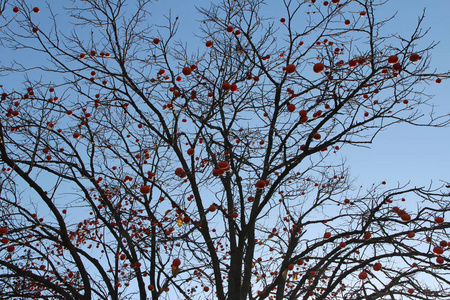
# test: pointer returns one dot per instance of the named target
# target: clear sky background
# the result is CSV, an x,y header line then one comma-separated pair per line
x,y
401,153
405,153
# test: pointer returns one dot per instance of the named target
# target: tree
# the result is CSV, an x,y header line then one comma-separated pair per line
x,y
134,167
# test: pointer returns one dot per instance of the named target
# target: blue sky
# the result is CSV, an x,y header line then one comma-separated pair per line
x,y
405,153
401,153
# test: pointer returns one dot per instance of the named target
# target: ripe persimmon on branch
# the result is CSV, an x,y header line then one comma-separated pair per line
x,y
137,168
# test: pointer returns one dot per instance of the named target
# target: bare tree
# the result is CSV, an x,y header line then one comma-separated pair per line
x,y
134,167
